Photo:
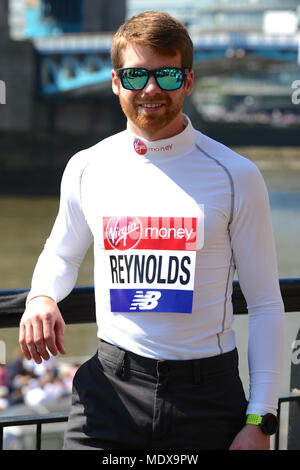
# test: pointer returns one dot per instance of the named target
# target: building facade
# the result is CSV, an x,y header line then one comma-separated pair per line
x,y
30,19
216,15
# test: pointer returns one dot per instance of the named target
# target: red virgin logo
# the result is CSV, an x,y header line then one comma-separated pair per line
x,y
140,147
123,233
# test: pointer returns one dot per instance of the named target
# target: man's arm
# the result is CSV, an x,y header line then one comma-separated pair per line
x,y
255,259
55,274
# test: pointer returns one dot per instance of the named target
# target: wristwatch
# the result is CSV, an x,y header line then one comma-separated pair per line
x,y
268,423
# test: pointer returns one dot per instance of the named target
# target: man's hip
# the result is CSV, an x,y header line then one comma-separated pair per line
x,y
124,401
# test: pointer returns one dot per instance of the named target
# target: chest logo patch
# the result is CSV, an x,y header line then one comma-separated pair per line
x,y
150,263
123,233
140,147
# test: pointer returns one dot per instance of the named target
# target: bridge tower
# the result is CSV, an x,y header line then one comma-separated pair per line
x,y
16,76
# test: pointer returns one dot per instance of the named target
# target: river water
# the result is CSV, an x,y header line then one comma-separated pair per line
x,y
25,223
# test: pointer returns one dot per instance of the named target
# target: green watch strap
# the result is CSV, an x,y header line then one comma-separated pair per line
x,y
254,419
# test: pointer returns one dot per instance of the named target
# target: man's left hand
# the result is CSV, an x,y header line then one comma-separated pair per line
x,y
251,438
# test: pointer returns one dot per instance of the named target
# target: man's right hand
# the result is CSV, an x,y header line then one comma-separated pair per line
x,y
41,326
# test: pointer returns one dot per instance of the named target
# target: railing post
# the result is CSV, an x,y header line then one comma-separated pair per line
x,y
38,436
294,407
277,435
1,437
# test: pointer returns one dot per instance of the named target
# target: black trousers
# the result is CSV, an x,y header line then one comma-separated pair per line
x,y
122,401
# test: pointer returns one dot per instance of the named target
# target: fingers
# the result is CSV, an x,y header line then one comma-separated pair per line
x,y
49,334
22,341
38,345
59,335
41,334
30,340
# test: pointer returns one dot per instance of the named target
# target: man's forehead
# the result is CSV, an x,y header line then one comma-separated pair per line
x,y
143,54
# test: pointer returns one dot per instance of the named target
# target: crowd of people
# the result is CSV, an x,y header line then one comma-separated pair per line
x,y
243,115
23,381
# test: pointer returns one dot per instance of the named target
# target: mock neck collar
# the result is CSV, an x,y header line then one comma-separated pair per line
x,y
163,149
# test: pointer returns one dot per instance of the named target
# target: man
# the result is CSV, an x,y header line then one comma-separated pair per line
x,y
171,213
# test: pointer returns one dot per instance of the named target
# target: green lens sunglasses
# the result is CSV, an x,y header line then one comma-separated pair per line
x,y
167,78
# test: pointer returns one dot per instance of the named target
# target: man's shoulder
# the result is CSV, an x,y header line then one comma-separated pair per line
x,y
234,162
83,158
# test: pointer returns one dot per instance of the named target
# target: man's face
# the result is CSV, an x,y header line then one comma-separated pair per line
x,y
152,113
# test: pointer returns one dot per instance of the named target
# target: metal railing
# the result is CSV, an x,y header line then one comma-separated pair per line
x,y
79,307
38,420
289,398
59,417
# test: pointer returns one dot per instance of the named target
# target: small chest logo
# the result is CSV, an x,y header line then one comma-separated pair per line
x,y
140,147
123,233
147,301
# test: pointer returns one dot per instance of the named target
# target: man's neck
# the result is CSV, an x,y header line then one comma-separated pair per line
x,y
167,132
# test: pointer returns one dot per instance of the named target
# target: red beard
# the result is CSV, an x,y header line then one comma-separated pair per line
x,y
148,122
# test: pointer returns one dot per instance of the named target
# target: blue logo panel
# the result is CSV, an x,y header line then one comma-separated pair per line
x,y
151,300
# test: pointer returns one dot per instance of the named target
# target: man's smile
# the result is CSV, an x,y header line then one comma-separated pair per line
x,y
150,107
145,105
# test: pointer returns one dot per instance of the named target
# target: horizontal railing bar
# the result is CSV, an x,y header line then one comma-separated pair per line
x,y
289,398
55,417
79,306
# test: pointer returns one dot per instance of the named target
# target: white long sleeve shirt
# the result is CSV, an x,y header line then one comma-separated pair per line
x,y
171,221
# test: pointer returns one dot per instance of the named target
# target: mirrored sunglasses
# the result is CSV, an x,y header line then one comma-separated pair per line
x,y
167,78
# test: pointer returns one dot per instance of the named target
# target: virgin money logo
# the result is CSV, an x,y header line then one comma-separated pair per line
x,y
140,147
123,233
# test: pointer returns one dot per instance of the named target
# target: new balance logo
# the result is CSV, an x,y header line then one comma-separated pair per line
x,y
147,301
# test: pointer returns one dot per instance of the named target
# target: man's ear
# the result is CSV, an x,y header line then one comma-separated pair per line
x,y
189,83
115,82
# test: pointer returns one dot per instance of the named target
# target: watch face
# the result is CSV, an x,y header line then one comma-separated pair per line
x,y
269,424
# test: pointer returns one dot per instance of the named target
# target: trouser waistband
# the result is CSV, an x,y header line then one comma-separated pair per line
x,y
181,368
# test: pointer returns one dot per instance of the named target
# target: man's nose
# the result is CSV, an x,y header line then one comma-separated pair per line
x,y
151,86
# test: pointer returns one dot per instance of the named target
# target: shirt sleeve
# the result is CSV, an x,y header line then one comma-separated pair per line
x,y
56,271
255,259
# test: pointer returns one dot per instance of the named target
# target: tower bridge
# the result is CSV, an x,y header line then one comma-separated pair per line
x,y
74,63
52,52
